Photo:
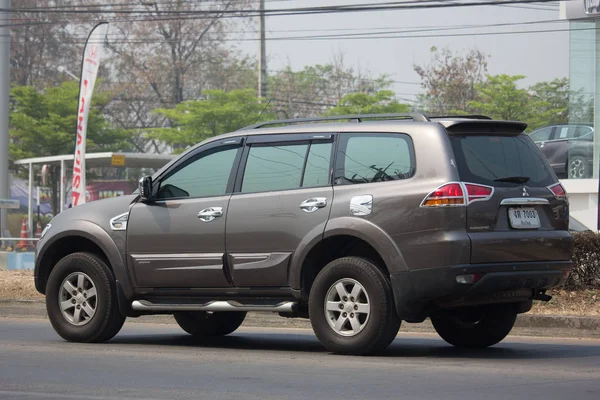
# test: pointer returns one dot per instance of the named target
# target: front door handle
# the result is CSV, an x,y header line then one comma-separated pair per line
x,y
209,214
313,204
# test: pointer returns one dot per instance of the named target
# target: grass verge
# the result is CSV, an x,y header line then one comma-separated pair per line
x,y
19,285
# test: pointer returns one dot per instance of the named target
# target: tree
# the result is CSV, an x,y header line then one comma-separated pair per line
x,y
220,112
449,80
500,98
550,103
363,103
42,123
314,89
160,61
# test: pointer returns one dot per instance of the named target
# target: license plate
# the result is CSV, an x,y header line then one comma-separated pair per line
x,y
524,218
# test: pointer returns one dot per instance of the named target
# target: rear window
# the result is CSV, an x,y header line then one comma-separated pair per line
x,y
482,159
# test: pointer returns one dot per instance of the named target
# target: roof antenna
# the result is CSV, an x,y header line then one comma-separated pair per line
x,y
263,110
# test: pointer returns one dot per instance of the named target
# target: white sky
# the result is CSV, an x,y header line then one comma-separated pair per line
x,y
540,56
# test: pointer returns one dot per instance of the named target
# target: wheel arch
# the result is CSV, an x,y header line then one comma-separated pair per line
x,y
83,236
344,236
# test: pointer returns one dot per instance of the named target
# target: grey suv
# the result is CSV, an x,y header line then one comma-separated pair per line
x,y
357,225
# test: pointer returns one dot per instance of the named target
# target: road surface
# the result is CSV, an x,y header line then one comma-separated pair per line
x,y
153,361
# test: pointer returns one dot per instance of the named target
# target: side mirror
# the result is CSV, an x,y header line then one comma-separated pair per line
x,y
145,188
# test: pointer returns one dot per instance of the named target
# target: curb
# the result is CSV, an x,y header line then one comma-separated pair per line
x,y
526,325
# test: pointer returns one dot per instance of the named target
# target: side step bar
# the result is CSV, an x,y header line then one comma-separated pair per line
x,y
229,305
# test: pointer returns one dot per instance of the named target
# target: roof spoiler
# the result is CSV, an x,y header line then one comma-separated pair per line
x,y
484,127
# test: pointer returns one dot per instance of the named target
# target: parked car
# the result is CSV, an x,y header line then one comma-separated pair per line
x,y
568,148
576,226
356,225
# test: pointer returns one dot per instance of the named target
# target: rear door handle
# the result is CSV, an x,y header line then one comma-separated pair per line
x,y
313,204
209,214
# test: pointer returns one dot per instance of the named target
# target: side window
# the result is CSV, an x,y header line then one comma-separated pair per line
x,y
564,132
272,168
205,176
541,135
316,172
366,158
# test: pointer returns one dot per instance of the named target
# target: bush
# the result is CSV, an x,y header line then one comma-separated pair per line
x,y
586,259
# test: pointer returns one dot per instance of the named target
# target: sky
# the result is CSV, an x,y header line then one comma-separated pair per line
x,y
538,56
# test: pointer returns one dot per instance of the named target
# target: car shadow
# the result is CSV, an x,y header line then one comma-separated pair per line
x,y
413,346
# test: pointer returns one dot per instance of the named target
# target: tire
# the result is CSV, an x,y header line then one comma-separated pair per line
x,y
83,271
370,328
475,327
210,324
578,168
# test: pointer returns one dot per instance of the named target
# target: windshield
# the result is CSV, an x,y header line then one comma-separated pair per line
x,y
500,160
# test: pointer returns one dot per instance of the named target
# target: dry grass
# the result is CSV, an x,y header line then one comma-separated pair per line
x,y
19,285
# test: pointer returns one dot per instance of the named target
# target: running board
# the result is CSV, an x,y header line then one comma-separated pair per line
x,y
145,305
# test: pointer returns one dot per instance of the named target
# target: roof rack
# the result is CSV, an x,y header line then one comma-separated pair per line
x,y
352,118
418,117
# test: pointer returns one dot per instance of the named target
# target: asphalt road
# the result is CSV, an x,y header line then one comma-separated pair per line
x,y
153,361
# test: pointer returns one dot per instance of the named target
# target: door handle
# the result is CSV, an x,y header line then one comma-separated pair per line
x,y
313,204
209,214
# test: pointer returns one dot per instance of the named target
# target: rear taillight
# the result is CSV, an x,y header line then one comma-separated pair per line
x,y
558,191
450,194
457,194
478,192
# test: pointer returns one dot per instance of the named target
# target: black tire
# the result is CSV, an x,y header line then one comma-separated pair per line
x,y
475,327
207,324
107,320
382,324
578,167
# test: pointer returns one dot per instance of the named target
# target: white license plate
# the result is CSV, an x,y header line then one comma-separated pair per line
x,y
524,218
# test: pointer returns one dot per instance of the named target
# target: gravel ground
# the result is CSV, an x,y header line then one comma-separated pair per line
x,y
19,285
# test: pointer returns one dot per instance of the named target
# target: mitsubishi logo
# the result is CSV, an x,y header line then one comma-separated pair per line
x,y
525,194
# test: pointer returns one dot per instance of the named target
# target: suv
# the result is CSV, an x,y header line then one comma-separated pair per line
x,y
356,225
568,148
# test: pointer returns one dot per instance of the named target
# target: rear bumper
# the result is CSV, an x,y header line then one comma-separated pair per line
x,y
416,291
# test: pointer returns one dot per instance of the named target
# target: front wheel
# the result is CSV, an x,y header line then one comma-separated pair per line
x,y
206,323
81,299
475,327
351,307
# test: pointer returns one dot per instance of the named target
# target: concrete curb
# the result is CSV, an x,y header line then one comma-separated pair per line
x,y
526,325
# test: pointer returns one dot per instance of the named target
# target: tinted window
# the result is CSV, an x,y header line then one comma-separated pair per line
x,y
365,158
481,159
203,177
541,135
317,166
274,168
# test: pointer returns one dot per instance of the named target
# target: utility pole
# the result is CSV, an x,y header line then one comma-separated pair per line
x,y
262,55
4,94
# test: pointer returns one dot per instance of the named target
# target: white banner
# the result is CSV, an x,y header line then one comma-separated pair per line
x,y
89,71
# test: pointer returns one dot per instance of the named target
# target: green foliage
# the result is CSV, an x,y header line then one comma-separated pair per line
x,y
221,112
43,123
362,103
549,103
500,98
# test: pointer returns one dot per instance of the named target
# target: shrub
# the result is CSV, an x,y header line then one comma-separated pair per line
x,y
586,259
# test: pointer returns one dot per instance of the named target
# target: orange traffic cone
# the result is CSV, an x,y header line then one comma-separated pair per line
x,y
22,245
38,230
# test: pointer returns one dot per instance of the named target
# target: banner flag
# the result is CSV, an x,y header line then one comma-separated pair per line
x,y
89,71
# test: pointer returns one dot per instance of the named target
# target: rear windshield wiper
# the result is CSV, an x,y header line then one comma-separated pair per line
x,y
515,179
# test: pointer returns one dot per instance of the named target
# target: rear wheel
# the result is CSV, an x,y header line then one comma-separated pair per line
x,y
351,307
206,323
475,327
81,299
579,168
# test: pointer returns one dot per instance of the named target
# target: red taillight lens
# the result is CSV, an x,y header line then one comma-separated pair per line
x,y
478,192
558,191
450,194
